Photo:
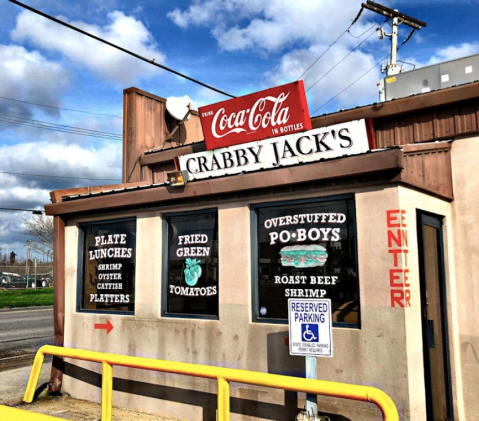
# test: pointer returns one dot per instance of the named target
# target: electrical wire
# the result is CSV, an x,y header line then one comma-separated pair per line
x,y
21,210
61,125
131,53
364,74
340,61
8,118
10,121
334,42
59,108
347,87
359,36
58,176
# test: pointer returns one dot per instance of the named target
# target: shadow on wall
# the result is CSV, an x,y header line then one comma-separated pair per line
x,y
279,362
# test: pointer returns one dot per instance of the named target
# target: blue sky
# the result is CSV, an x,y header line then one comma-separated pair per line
x,y
238,46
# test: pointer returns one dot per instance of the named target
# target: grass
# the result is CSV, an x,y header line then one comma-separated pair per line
x,y
26,298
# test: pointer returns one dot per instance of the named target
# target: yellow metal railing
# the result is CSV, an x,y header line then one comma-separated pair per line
x,y
222,375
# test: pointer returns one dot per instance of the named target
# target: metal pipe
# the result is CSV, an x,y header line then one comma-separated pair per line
x,y
318,387
223,400
106,391
34,376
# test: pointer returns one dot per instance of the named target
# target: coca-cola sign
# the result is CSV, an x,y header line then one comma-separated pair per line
x,y
270,113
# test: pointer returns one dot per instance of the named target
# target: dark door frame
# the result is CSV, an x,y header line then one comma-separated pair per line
x,y
436,221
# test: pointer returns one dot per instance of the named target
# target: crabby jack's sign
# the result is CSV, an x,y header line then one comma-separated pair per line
x,y
274,112
348,138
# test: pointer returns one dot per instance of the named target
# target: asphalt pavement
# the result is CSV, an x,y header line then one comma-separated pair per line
x,y
22,332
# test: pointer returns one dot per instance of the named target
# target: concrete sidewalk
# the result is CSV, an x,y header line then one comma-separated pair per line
x,y
71,409
12,388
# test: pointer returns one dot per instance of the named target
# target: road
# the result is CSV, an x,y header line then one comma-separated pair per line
x,y
22,332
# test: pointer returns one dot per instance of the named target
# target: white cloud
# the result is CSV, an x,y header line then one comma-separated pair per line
x,y
205,96
454,51
206,12
60,159
364,91
54,159
103,60
29,76
273,25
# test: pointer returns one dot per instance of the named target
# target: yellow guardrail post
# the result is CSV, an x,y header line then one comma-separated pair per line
x,y
34,376
223,400
106,391
222,375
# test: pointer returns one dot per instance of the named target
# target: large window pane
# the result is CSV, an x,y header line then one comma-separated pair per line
x,y
192,264
108,281
306,250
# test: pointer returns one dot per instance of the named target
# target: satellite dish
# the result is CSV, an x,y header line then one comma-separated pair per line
x,y
179,108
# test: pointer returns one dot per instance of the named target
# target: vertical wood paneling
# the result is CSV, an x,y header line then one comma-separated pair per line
x,y
147,125
159,171
430,170
424,127
404,130
444,122
466,120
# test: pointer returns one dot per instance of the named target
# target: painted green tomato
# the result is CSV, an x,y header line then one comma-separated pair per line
x,y
192,271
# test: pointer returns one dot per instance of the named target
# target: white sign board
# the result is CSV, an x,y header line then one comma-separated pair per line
x,y
310,327
343,139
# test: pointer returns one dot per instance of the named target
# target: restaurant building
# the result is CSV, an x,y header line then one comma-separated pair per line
x,y
374,208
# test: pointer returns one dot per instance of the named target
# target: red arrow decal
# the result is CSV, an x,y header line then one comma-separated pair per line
x,y
108,326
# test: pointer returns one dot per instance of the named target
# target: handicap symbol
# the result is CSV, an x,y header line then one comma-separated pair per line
x,y
309,335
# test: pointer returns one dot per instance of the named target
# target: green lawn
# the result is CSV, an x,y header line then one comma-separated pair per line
x,y
26,298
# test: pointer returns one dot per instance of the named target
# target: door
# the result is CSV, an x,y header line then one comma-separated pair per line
x,y
434,321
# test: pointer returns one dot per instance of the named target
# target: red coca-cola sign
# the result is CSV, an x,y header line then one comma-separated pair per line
x,y
270,113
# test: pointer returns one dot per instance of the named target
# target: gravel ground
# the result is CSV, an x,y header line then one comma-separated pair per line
x,y
77,410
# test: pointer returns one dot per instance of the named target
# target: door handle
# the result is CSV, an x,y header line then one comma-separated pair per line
x,y
430,333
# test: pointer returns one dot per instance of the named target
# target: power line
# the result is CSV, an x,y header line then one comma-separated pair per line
x,y
364,74
12,121
340,61
8,118
347,87
150,61
35,211
334,42
358,36
59,108
62,125
58,176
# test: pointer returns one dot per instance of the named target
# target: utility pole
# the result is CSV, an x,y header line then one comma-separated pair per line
x,y
27,267
397,18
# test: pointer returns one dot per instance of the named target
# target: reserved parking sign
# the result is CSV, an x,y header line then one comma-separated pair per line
x,y
310,327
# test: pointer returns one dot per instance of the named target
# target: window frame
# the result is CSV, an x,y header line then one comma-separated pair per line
x,y
255,317
81,265
164,266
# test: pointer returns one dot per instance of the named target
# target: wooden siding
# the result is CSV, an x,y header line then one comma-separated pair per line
x,y
429,168
147,125
444,122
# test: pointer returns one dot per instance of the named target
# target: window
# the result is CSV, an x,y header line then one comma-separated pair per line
x,y
108,267
191,265
305,249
